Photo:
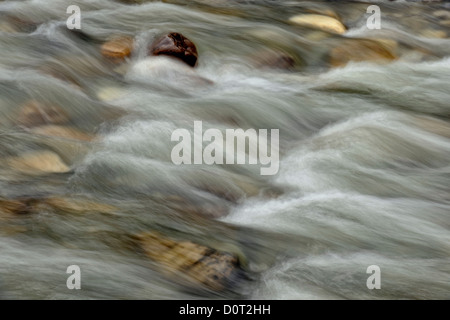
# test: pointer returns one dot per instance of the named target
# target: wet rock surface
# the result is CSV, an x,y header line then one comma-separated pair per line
x,y
175,45
37,163
34,113
192,262
118,48
321,22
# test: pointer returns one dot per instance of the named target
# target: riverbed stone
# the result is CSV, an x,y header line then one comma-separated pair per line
x,y
175,45
317,21
13,207
432,33
359,50
34,113
77,205
195,263
274,60
62,132
118,48
38,163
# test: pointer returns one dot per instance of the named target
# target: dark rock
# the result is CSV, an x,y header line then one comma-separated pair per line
x,y
175,45
14,207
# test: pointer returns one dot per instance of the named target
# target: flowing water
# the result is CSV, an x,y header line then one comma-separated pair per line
x,y
364,173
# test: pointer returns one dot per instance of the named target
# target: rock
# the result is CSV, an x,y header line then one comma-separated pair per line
x,y
361,50
14,24
8,27
442,14
275,60
431,33
14,207
65,204
62,132
118,49
78,205
37,163
194,263
175,45
34,113
61,75
320,22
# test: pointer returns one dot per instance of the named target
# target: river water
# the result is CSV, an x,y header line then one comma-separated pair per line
x,y
364,172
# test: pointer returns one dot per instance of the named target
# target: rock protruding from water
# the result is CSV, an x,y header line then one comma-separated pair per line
x,y
317,21
194,263
175,45
118,49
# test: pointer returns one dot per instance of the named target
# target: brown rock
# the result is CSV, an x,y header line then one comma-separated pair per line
x,y
175,45
34,113
13,207
118,48
62,132
37,163
361,50
194,263
275,60
19,24
78,205
431,33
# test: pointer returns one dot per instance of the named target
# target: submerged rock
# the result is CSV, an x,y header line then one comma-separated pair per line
x,y
77,205
38,163
62,132
432,33
175,45
191,262
34,113
13,24
118,49
274,60
320,22
14,207
359,50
